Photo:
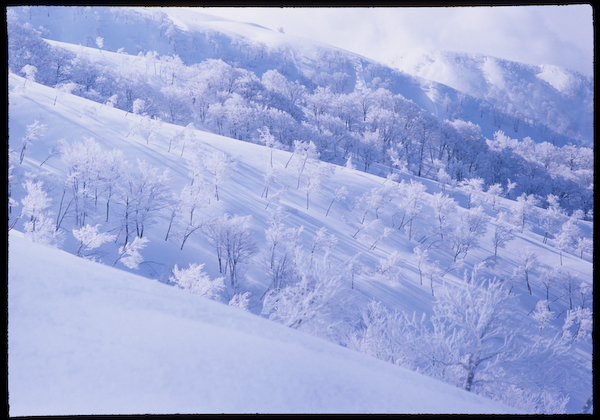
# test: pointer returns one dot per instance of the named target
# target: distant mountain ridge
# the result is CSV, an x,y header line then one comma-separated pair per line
x,y
495,94
558,97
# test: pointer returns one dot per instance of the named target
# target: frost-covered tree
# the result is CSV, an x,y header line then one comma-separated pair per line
x,y
33,132
542,314
528,262
371,201
411,205
523,210
141,196
113,170
471,227
379,335
282,247
502,234
233,242
338,195
370,148
305,152
474,189
241,301
420,256
391,267
585,246
269,140
550,219
195,280
89,238
443,206
29,71
566,239
192,198
38,226
317,175
86,167
493,192
322,242
477,329
64,88
129,254
315,303
220,165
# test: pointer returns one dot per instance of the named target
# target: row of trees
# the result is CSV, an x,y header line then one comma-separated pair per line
x,y
95,175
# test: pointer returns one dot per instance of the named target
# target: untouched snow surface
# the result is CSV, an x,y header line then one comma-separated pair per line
x,y
85,338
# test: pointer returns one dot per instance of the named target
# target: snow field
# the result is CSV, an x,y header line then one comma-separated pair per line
x,y
89,339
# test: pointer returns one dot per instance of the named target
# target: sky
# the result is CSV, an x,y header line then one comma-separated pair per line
x,y
558,35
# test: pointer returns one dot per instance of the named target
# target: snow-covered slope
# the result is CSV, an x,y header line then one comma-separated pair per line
x,y
84,338
74,118
557,97
431,81
365,223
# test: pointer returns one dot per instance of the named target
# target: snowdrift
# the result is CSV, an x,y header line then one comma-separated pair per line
x,y
85,338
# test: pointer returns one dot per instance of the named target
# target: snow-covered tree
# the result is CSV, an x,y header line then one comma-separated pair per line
x,y
89,238
306,152
478,329
314,303
474,189
566,239
241,301
523,210
493,192
585,246
317,175
33,132
64,88
466,235
528,262
220,165
282,247
322,242
129,254
193,197
195,280
502,234
29,71
542,314
379,335
100,42
550,219
233,242
391,267
338,195
141,195
443,206
420,256
38,227
411,205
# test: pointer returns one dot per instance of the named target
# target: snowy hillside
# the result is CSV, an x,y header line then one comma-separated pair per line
x,y
345,226
88,339
497,96
557,97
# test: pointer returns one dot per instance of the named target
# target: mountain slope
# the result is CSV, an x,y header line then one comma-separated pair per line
x,y
437,83
366,239
88,339
557,97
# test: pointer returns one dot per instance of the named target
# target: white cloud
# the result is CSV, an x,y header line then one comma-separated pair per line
x,y
559,35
